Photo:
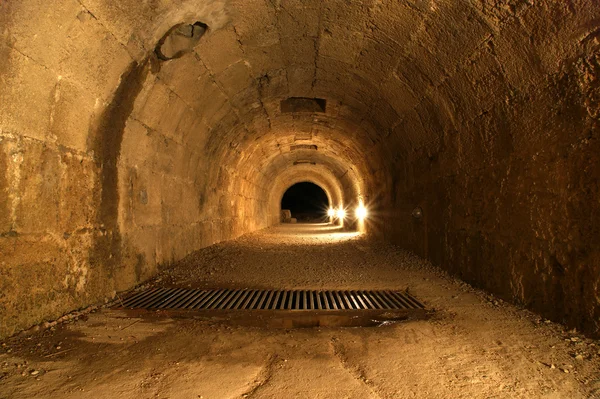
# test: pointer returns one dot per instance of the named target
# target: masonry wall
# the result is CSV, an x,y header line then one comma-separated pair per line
x,y
483,113
106,169
509,190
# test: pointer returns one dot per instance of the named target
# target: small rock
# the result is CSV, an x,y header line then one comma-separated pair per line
x,y
552,366
565,370
35,372
579,357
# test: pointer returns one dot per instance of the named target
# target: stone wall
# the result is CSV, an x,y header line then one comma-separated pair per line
x,y
510,188
483,113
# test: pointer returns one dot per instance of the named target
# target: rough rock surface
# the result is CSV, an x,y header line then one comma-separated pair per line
x,y
482,112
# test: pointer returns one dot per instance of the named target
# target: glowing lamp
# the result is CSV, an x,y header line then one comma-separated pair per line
x,y
361,212
331,212
341,214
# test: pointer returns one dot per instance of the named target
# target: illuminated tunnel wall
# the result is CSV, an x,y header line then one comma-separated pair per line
x,y
130,137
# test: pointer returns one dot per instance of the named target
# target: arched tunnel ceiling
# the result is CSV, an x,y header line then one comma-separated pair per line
x,y
317,174
458,106
364,58
381,66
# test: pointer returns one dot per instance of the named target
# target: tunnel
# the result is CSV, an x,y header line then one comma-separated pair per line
x,y
307,202
134,134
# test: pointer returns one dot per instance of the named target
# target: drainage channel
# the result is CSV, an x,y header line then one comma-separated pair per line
x,y
279,308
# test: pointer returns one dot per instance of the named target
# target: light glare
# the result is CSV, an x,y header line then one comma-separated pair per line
x,y
361,212
331,212
341,214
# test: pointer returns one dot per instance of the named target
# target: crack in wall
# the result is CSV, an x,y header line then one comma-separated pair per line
x,y
125,47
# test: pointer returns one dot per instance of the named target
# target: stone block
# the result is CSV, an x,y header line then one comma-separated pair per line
x,y
156,105
265,60
300,80
38,188
168,156
286,216
220,50
213,105
67,39
299,18
341,44
299,50
144,241
33,270
185,77
71,114
137,145
235,79
145,197
171,117
190,212
27,88
79,195
6,169
172,205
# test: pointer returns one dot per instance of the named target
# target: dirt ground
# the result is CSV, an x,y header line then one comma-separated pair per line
x,y
474,345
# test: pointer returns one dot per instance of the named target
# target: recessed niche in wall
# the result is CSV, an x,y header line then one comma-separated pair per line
x,y
303,104
179,40
304,162
303,147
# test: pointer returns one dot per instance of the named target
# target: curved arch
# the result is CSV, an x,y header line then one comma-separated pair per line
x,y
307,209
421,110
318,175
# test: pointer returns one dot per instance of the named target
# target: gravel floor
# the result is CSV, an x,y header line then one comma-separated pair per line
x,y
475,346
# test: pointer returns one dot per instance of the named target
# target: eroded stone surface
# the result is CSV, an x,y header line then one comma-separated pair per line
x,y
484,114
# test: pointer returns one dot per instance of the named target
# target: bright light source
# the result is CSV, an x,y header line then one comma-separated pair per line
x,y
361,212
341,214
331,212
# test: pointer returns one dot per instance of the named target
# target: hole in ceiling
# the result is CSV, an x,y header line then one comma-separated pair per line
x,y
303,104
303,147
304,162
179,40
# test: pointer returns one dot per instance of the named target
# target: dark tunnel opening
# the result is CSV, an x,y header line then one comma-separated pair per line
x,y
306,201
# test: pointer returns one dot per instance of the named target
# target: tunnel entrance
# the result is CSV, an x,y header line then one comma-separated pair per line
x,y
307,202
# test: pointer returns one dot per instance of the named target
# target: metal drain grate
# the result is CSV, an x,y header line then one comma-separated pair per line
x,y
226,299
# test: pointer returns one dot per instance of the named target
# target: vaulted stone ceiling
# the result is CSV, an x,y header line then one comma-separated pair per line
x,y
484,113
